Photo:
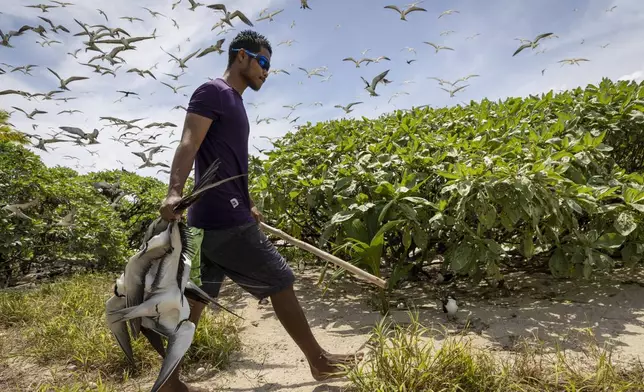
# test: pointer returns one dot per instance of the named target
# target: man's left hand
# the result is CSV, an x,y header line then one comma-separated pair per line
x,y
257,214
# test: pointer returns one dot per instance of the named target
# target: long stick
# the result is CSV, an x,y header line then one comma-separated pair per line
x,y
326,256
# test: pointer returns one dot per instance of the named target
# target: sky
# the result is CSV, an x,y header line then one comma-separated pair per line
x,y
482,34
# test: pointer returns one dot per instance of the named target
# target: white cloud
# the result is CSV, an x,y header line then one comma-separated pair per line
x,y
319,42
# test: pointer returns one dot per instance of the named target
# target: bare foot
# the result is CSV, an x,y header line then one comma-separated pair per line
x,y
334,365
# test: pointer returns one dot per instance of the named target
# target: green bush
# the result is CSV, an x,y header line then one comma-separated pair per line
x,y
540,180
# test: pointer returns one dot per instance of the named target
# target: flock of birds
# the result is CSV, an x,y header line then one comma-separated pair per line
x,y
106,45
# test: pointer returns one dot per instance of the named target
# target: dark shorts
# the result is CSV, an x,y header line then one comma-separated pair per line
x,y
247,257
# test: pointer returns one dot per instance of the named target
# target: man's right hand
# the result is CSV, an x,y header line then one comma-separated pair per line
x,y
167,207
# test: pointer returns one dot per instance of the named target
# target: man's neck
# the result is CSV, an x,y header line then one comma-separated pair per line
x,y
235,81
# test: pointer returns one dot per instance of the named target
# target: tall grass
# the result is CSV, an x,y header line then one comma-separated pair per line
x,y
407,358
63,323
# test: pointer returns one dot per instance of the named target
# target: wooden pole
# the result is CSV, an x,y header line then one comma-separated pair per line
x,y
326,256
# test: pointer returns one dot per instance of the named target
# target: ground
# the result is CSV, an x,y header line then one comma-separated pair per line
x,y
613,306
342,318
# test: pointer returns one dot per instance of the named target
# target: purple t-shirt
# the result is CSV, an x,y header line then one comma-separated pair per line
x,y
228,204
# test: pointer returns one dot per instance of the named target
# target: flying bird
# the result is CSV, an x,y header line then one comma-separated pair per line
x,y
454,91
269,16
30,115
347,109
437,47
213,48
448,12
571,61
531,44
65,82
228,16
182,62
404,13
371,87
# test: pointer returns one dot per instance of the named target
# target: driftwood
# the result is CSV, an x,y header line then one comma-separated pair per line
x,y
326,256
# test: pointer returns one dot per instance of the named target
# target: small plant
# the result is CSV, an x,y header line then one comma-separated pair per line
x,y
410,359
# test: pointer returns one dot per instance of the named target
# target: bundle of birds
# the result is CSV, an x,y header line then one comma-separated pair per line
x,y
152,292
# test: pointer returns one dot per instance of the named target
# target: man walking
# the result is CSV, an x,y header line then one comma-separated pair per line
x,y
216,127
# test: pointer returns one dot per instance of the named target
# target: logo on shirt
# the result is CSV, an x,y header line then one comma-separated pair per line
x,y
234,202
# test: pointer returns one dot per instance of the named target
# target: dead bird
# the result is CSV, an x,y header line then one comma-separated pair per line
x,y
151,294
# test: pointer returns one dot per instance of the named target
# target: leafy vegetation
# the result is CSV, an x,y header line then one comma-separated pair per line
x,y
408,358
92,222
64,323
547,181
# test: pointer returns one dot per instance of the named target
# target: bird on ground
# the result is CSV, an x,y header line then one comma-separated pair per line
x,y
450,307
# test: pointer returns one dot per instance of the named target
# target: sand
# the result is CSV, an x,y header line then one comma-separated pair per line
x,y
342,319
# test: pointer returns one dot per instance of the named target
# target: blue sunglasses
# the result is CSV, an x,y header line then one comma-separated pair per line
x,y
261,60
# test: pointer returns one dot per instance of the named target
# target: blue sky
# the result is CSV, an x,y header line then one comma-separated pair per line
x,y
324,35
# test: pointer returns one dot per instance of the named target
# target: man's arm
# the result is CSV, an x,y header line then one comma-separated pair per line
x,y
195,128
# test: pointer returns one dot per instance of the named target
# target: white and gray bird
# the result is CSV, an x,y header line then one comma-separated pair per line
x,y
151,294
450,307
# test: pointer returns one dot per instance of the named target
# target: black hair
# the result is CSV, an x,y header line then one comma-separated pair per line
x,y
249,40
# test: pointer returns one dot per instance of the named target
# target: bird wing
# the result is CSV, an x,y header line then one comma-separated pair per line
x,y
378,78
178,343
393,7
241,16
540,36
218,7
414,8
521,48
73,130
55,74
119,329
191,55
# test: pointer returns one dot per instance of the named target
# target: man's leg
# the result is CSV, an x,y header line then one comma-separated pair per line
x,y
289,312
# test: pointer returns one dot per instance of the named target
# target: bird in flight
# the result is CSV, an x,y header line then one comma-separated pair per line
x,y
228,16
448,12
404,13
437,47
213,48
571,61
269,16
531,44
347,109
371,87
65,82
182,62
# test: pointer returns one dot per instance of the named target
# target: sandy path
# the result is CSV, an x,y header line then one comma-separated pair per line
x,y
343,318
